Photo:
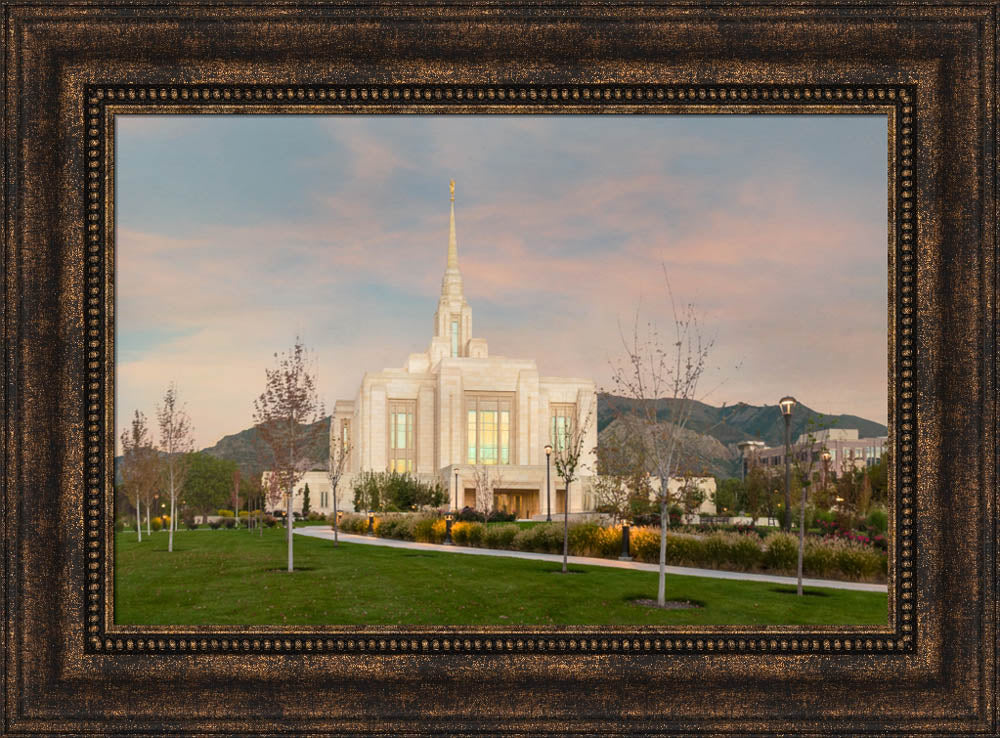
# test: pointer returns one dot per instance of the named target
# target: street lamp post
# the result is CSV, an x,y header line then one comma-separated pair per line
x,y
787,404
548,483
826,470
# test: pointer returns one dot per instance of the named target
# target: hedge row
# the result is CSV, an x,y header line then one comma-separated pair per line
x,y
777,553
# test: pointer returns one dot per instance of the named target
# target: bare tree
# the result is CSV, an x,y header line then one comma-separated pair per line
x,y
286,415
613,497
567,450
139,465
175,442
487,480
651,372
340,451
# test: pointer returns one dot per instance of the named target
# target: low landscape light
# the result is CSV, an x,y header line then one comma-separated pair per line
x,y
448,518
625,540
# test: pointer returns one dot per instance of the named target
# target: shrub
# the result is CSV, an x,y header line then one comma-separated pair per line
x,y
229,522
878,520
270,521
746,552
544,538
465,533
354,524
857,561
214,524
584,539
608,542
226,513
819,559
468,515
500,536
156,523
314,515
644,543
423,529
191,525
438,531
119,525
682,549
781,551
501,516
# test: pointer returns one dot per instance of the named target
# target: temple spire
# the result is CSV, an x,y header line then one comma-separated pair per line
x,y
452,241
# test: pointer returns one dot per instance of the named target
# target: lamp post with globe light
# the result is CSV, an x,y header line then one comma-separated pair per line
x,y
548,483
787,404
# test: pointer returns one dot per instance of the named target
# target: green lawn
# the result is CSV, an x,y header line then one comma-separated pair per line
x,y
219,577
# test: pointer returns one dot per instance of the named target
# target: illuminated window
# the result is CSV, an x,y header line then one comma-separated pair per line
x,y
563,416
402,445
489,421
454,338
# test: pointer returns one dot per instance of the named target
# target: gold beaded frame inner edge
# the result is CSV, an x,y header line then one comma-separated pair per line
x,y
104,102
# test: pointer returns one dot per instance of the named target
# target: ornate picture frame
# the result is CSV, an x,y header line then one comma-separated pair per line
x,y
69,69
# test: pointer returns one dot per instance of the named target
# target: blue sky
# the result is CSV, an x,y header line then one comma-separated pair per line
x,y
234,233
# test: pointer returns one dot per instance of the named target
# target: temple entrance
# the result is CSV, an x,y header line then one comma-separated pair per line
x,y
523,504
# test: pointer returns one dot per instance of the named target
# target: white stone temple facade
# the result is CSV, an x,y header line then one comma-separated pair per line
x,y
455,408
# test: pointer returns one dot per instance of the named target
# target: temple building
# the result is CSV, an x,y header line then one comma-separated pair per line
x,y
455,409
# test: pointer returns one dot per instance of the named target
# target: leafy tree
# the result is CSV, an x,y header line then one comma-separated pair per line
x,y
209,482
286,414
394,491
730,495
305,500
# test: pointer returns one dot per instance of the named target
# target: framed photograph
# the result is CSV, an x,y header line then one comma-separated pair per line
x,y
478,370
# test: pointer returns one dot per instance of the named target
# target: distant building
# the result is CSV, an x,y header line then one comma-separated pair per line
x,y
320,497
846,450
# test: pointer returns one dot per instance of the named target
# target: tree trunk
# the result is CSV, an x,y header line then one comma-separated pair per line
x,y
336,540
802,536
170,527
566,527
289,517
138,519
149,529
661,591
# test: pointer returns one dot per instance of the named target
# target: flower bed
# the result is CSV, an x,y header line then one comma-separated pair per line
x,y
828,557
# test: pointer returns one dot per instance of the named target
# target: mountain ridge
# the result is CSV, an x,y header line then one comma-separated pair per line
x,y
721,428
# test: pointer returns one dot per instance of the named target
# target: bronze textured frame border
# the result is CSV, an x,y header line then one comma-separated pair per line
x,y
940,676
105,102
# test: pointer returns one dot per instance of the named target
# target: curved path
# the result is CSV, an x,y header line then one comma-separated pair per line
x,y
317,531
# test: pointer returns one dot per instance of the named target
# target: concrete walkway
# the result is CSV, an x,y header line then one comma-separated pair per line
x,y
327,533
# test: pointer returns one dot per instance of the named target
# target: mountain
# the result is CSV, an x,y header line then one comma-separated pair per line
x,y
731,424
244,448
715,431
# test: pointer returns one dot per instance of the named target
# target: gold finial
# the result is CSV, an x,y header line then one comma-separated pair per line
x,y
451,185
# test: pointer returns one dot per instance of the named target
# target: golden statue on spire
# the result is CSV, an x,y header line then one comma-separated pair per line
x,y
451,186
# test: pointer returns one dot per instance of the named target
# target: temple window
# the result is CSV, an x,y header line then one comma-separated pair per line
x,y
402,444
489,428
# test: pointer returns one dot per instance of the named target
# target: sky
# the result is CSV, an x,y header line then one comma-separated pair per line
x,y
234,234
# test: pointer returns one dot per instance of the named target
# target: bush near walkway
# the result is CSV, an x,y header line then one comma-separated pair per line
x,y
776,553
